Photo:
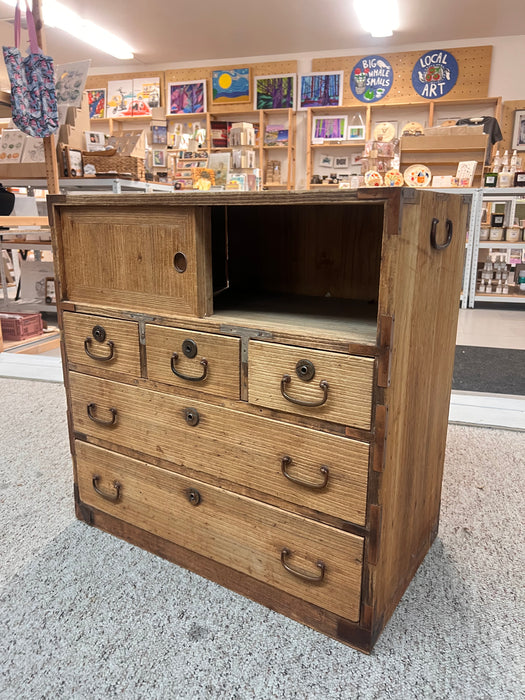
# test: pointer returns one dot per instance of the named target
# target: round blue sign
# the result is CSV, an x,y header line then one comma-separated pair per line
x,y
435,74
371,79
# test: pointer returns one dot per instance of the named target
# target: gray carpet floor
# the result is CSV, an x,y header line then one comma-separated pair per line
x,y
84,615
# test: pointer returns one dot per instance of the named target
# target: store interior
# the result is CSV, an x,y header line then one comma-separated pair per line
x,y
178,100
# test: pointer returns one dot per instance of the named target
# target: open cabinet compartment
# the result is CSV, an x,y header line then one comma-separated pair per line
x,y
314,267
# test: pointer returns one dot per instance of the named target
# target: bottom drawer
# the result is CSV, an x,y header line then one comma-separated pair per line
x,y
319,564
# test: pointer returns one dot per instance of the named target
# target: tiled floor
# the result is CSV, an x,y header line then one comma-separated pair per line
x,y
492,328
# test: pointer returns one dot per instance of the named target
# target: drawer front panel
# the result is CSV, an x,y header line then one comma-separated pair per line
x,y
340,388
229,445
152,260
102,343
239,532
203,361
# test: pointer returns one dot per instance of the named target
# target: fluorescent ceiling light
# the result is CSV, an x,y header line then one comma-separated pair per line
x,y
379,17
57,15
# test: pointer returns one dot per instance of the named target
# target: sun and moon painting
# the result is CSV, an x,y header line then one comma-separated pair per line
x,y
231,86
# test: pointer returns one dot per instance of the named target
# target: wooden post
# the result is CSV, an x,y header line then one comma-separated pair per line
x,y
50,150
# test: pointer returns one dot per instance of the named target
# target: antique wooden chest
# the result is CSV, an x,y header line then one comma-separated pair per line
x,y
258,385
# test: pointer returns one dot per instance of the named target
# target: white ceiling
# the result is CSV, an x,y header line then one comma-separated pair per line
x,y
174,31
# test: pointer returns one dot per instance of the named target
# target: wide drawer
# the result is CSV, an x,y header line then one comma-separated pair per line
x,y
326,385
227,444
248,536
102,343
204,361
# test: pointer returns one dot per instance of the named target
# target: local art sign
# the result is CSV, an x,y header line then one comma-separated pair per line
x,y
435,74
371,79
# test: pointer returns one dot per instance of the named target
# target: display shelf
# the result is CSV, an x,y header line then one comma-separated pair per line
x,y
340,144
501,244
501,298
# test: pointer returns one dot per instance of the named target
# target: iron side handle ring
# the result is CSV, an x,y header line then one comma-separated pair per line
x,y
102,358
90,411
312,578
433,241
323,384
113,497
286,461
203,362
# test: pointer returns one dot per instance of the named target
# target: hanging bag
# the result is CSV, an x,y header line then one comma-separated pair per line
x,y
33,97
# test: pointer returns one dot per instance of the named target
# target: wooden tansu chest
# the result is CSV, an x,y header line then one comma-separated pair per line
x,y
258,386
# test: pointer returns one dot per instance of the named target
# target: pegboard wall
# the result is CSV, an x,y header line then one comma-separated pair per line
x,y
94,82
205,73
507,123
473,75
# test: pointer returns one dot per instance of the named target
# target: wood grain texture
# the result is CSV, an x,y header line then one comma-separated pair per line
x,y
228,444
349,378
123,334
230,529
420,288
125,258
221,353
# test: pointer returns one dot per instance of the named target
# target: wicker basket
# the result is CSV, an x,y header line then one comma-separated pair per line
x,y
20,326
112,162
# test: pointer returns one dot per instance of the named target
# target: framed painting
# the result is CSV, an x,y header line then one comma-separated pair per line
x,y
274,91
159,158
518,133
231,86
97,103
321,90
187,98
329,129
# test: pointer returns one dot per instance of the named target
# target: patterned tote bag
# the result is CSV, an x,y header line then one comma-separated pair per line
x,y
33,96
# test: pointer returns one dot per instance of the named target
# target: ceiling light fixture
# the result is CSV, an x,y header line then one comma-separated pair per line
x,y
57,15
380,17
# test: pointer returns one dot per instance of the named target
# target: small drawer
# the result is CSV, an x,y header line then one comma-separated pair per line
x,y
312,561
326,385
96,342
204,361
301,466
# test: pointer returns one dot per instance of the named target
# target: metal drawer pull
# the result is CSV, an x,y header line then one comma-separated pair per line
x,y
323,384
114,497
433,240
92,406
102,358
285,552
203,362
286,461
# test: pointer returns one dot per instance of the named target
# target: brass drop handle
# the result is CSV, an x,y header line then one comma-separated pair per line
x,y
323,384
203,362
113,497
286,461
90,411
102,358
312,578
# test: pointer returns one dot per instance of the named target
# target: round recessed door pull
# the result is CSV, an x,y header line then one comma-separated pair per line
x,y
312,578
113,497
179,262
323,384
285,463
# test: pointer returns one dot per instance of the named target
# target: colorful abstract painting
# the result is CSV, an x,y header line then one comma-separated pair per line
x,y
187,98
321,90
97,103
231,86
275,92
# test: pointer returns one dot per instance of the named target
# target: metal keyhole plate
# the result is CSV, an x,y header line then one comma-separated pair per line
x,y
194,497
191,416
189,348
99,333
305,370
